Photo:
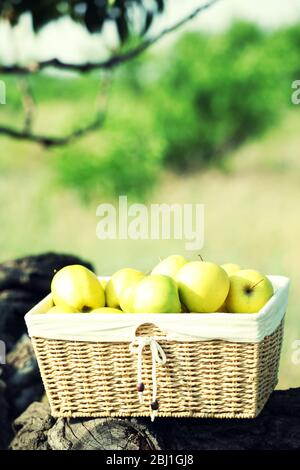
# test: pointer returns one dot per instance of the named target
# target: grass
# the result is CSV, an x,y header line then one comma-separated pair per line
x,y
251,214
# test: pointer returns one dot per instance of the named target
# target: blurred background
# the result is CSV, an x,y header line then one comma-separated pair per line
x,y
203,116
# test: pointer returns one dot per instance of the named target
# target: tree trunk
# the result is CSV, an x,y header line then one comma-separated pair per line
x,y
277,427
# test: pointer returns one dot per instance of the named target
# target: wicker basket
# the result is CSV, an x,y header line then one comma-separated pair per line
x,y
207,378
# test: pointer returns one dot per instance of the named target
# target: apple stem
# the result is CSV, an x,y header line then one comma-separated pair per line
x,y
252,287
200,257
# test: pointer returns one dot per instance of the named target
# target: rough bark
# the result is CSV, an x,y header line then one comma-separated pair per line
x,y
37,430
277,427
32,428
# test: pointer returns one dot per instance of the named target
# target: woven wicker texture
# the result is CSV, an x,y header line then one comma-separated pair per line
x,y
200,379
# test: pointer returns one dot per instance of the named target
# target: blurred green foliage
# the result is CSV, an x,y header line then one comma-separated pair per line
x,y
183,107
217,92
127,161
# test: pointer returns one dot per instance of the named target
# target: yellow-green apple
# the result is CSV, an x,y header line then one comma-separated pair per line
x,y
77,287
118,282
170,266
249,291
156,293
203,286
230,268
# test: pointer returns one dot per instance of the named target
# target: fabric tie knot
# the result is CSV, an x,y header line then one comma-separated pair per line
x,y
158,357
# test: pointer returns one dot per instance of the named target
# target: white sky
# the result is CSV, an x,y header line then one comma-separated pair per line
x,y
71,42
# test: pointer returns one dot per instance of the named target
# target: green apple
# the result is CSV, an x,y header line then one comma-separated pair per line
x,y
118,282
156,293
77,287
106,310
230,268
249,291
203,286
170,266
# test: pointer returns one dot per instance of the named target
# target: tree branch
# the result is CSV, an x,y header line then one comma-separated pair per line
x,y
49,141
111,62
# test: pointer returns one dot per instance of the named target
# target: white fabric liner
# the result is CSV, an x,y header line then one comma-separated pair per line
x,y
109,327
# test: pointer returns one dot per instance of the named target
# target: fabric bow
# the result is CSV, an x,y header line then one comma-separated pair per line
x,y
158,357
